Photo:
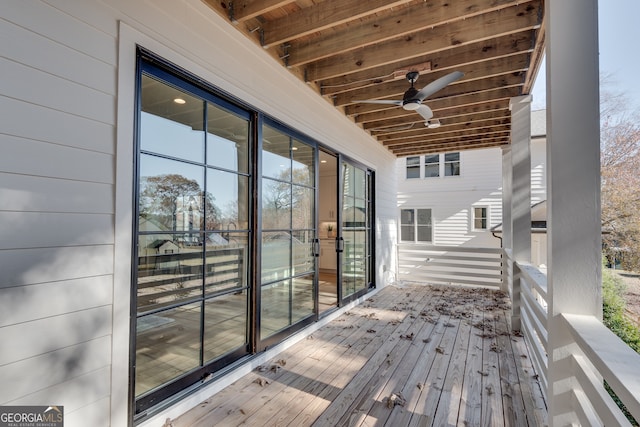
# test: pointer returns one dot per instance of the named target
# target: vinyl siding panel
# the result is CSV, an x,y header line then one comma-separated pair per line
x,y
47,335
27,230
29,121
81,164
40,88
42,265
84,398
40,372
54,298
38,194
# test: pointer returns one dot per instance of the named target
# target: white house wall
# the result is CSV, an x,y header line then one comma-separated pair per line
x,y
452,198
65,214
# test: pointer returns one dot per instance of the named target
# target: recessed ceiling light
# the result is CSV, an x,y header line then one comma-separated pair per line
x,y
179,101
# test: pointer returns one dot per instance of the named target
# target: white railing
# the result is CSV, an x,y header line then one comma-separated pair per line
x,y
599,355
534,315
450,265
592,353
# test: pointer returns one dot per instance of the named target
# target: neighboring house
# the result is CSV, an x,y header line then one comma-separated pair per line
x,y
450,211
455,198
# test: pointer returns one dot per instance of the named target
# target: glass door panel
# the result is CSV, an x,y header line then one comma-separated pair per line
x,y
288,231
193,245
327,232
355,230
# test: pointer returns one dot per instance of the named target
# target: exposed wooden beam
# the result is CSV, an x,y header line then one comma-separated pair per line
x,y
400,22
471,99
439,148
321,16
482,27
450,59
447,128
243,10
442,114
502,72
464,136
490,115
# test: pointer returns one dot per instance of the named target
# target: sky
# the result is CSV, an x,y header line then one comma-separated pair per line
x,y
618,33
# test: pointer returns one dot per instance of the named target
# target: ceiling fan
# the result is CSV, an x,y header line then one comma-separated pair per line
x,y
412,99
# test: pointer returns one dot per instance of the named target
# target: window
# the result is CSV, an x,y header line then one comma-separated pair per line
x,y
452,164
480,218
432,165
416,225
413,167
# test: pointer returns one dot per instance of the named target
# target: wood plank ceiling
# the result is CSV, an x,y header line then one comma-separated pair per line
x,y
350,50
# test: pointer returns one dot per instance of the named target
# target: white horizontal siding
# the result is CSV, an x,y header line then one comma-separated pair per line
x,y
94,73
44,89
29,121
27,230
40,372
83,397
63,28
37,194
50,334
54,298
30,266
79,164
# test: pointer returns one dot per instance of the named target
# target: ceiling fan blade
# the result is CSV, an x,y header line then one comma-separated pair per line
x,y
381,101
438,84
425,112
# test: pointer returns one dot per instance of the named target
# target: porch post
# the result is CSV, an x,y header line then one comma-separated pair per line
x,y
506,220
521,194
573,183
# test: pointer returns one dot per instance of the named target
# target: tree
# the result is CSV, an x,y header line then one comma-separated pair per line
x,y
164,197
620,170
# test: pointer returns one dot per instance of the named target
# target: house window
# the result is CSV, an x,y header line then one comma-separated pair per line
x,y
413,167
480,218
432,165
452,164
416,225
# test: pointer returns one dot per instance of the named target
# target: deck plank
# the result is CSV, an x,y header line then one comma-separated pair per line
x,y
417,355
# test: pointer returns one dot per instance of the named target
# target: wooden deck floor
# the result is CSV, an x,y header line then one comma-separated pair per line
x,y
410,356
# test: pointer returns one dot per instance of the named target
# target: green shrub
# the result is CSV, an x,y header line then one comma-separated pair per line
x,y
613,306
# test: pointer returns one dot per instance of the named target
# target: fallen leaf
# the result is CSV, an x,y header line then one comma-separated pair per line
x,y
439,350
261,381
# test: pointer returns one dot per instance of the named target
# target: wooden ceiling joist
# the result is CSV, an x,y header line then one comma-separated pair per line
x,y
350,50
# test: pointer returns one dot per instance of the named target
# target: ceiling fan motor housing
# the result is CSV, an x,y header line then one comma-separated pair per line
x,y
409,100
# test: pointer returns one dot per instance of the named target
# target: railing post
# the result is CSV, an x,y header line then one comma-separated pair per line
x,y
507,285
521,194
573,181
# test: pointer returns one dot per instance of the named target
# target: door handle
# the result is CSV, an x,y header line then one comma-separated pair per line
x,y
339,244
316,247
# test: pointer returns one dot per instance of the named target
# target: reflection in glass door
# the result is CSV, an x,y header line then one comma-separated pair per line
x,y
288,232
193,240
327,232
355,237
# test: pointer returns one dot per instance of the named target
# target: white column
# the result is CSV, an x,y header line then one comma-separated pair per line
x,y
521,194
506,219
573,180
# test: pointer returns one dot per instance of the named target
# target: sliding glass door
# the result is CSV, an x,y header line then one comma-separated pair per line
x,y
193,236
288,265
355,230
244,232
